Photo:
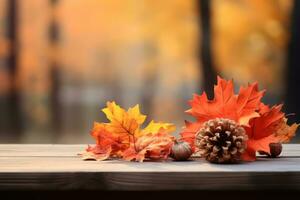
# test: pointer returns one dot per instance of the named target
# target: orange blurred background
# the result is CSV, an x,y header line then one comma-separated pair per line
x,y
61,60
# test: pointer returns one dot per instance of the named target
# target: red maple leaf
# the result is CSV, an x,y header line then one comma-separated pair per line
x,y
188,133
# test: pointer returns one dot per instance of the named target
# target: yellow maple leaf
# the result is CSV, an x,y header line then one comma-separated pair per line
x,y
155,127
122,121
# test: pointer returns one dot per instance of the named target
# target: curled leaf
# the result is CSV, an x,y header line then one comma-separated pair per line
x,y
150,146
284,131
96,152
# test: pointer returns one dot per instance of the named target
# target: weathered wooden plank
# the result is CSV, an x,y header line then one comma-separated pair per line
x,y
74,164
291,150
48,150
24,150
130,181
40,167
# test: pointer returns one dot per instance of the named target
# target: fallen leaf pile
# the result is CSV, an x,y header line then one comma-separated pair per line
x,y
123,137
230,127
263,124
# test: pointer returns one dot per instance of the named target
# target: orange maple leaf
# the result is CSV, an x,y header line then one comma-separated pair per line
x,y
107,144
226,104
105,138
261,132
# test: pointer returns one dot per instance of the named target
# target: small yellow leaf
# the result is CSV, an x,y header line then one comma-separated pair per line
x,y
154,128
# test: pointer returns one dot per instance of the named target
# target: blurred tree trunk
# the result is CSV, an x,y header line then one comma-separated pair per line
x,y
293,71
54,35
10,122
209,72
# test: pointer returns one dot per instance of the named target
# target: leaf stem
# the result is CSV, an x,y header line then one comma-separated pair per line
x,y
134,143
290,114
133,138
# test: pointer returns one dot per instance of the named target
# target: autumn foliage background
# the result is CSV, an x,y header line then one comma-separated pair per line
x,y
62,60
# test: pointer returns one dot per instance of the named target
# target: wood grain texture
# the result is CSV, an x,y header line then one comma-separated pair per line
x,y
25,150
57,167
48,150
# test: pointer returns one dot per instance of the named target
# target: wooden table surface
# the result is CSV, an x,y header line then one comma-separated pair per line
x,y
57,167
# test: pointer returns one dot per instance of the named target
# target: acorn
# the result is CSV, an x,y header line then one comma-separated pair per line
x,y
181,151
275,150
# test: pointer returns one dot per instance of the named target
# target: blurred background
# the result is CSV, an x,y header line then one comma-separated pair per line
x,y
61,60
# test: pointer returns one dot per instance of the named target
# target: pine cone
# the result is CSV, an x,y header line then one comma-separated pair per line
x,y
221,141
